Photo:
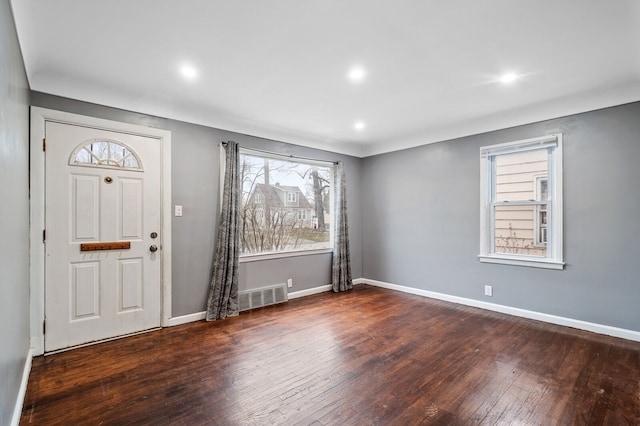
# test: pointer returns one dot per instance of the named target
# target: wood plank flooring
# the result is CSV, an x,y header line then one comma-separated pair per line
x,y
369,356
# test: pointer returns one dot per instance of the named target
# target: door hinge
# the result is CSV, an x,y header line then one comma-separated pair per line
x,y
44,327
44,144
44,235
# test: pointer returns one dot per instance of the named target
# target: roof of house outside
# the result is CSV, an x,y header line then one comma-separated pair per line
x,y
275,196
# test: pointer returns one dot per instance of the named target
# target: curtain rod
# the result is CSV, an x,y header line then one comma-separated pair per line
x,y
276,154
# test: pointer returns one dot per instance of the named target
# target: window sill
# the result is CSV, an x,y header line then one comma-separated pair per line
x,y
518,261
282,255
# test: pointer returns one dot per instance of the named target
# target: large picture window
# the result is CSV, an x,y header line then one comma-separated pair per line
x,y
287,205
521,203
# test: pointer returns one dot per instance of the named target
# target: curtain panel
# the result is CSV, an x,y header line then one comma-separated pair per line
x,y
341,265
223,293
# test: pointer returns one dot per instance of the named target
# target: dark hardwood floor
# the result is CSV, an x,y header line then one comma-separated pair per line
x,y
369,356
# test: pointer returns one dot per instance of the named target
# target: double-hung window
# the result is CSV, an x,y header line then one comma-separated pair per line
x,y
521,203
287,206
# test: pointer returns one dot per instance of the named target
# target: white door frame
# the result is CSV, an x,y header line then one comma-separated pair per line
x,y
39,117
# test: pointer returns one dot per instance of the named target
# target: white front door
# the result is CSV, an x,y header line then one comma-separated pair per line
x,y
103,239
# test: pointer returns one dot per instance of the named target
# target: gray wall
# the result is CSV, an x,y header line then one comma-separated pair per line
x,y
14,216
421,221
195,185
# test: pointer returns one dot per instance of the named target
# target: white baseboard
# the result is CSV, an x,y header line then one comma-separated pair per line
x,y
197,316
320,289
309,291
17,411
553,319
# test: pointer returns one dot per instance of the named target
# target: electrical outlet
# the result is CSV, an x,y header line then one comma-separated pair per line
x,y
290,282
178,211
488,290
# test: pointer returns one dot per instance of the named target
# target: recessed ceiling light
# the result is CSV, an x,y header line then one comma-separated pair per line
x,y
508,78
189,72
359,125
356,74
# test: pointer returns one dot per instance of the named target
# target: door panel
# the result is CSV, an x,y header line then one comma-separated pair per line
x,y
108,192
130,208
85,198
130,284
85,290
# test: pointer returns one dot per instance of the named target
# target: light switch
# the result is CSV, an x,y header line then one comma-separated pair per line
x,y
178,211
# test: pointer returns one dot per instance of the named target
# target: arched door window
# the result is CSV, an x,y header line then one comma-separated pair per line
x,y
105,153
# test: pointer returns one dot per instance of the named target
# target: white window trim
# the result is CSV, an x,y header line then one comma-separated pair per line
x,y
554,258
255,257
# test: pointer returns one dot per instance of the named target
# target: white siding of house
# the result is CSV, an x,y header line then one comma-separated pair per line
x,y
516,181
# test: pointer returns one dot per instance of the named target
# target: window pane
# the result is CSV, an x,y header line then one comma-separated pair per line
x,y
83,156
131,162
515,174
105,154
515,231
99,149
285,205
544,189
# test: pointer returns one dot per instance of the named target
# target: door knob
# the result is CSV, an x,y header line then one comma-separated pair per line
x,y
153,248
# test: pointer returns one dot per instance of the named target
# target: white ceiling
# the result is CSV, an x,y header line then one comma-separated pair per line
x,y
278,69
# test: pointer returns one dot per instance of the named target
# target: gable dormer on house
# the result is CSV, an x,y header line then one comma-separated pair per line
x,y
287,201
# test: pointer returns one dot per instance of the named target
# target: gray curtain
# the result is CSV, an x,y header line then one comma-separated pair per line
x,y
223,294
341,276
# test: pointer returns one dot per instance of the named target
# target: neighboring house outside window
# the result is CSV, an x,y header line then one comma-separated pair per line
x,y
521,203
286,205
540,220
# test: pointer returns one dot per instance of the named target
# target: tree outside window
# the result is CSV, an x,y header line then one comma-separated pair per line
x,y
286,204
